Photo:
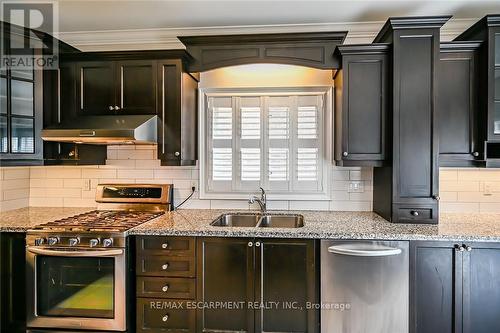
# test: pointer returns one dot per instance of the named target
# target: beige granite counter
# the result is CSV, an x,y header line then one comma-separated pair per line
x,y
20,220
332,225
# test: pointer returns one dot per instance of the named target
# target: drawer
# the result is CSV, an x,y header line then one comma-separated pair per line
x,y
159,287
160,315
172,246
170,266
406,214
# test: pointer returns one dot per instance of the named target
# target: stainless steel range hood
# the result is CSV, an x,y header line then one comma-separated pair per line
x,y
134,129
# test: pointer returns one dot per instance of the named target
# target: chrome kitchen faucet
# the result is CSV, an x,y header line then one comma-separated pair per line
x,y
262,201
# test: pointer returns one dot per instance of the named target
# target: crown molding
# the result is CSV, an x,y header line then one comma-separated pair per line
x,y
166,38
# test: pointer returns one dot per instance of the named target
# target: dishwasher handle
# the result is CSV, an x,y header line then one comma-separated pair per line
x,y
364,250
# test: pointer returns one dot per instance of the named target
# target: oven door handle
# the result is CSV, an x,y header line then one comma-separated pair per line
x,y
62,253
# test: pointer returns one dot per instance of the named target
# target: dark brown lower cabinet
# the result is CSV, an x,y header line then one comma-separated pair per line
x,y
455,287
261,285
12,283
164,315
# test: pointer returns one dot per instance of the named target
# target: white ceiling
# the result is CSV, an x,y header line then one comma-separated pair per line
x,y
92,15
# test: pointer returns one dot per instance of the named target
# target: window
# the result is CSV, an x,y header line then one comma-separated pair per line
x,y
272,139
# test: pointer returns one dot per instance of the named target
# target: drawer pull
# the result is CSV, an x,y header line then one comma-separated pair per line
x,y
164,266
164,245
165,318
165,288
414,213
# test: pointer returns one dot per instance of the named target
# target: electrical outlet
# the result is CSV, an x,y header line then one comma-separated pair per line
x,y
356,187
86,184
487,189
194,183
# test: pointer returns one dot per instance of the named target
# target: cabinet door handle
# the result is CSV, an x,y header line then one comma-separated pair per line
x,y
345,154
165,288
164,245
475,154
459,248
117,108
250,244
257,244
467,248
164,318
111,108
436,197
414,213
177,154
164,266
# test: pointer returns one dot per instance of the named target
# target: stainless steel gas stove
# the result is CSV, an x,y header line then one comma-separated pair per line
x,y
77,266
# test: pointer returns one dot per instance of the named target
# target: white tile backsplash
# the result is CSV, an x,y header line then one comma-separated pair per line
x,y
461,190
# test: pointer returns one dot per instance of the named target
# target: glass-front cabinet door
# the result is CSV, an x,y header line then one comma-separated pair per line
x,y
20,115
496,116
75,287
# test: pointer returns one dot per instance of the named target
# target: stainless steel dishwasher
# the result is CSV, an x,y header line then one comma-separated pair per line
x,y
364,287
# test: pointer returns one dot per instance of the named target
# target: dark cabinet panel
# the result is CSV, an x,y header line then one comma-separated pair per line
x,y
136,90
162,315
12,283
96,87
481,312
160,287
225,274
361,105
461,128
178,114
173,246
411,184
434,282
172,266
285,276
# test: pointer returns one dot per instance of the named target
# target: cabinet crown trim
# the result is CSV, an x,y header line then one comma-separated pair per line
x,y
416,22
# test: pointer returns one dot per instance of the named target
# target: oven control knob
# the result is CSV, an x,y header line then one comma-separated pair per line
x,y
94,242
52,240
39,241
107,242
73,241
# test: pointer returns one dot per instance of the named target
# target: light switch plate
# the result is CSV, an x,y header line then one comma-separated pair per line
x,y
356,187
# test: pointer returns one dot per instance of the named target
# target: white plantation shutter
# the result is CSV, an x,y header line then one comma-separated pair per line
x,y
273,141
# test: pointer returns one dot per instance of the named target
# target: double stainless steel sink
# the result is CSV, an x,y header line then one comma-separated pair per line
x,y
250,220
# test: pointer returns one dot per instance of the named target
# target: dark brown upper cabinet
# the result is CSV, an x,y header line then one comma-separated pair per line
x,y
361,105
460,119
256,271
408,190
487,30
177,101
116,87
311,49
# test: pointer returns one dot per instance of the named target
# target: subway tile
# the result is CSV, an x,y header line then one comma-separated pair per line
x,y
46,202
79,202
38,172
89,194
182,184
351,206
56,192
172,174
113,181
111,154
361,196
14,194
340,174
448,174
135,173
16,173
355,175
15,184
146,147
196,204
75,183
489,207
13,204
195,174
459,207
277,205
340,185
229,204
340,195
153,181
448,196
459,186
98,173
64,172
127,154
46,183
310,205
147,164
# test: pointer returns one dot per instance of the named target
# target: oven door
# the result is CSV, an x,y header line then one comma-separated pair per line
x,y
76,289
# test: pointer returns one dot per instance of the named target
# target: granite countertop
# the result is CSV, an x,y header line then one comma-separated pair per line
x,y
327,225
